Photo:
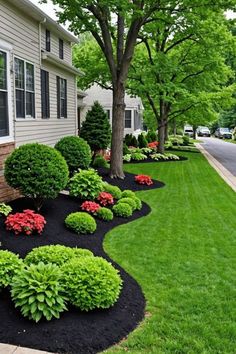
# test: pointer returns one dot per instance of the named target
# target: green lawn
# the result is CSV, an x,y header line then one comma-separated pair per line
x,y
184,256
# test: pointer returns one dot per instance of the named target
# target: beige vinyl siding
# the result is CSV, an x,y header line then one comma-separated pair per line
x,y
55,45
49,131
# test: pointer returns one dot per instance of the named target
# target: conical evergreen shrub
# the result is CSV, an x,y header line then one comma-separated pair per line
x,y
96,128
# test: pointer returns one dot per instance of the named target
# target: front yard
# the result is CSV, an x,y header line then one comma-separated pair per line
x,y
184,257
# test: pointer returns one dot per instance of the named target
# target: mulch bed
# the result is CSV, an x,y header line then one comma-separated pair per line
x,y
75,332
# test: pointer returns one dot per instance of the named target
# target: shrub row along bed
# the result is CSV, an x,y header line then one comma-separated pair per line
x,y
82,327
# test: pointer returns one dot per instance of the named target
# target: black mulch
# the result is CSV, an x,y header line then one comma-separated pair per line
x,y
75,332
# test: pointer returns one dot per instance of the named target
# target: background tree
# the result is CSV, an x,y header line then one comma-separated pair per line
x,y
96,129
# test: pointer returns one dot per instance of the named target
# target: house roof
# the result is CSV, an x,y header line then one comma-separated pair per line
x,y
53,59
34,12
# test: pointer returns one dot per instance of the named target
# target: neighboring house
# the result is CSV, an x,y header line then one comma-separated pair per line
x,y
133,107
38,93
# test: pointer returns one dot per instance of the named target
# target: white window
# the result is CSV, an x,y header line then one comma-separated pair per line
x,y
128,118
24,89
4,114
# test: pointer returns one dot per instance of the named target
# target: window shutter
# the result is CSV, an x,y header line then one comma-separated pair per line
x,y
58,98
45,102
65,114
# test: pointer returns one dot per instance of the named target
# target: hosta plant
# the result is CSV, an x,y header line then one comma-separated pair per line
x,y
105,214
86,184
91,283
143,179
37,290
25,223
81,223
129,201
5,209
90,207
113,190
127,157
56,254
159,156
138,156
122,210
105,199
10,264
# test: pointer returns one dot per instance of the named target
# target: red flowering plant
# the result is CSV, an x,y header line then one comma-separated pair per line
x,y
153,145
90,207
26,222
105,198
143,179
107,155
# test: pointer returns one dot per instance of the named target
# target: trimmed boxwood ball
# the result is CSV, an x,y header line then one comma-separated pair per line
x,y
38,291
123,210
129,201
138,203
86,185
76,152
37,171
81,223
113,190
10,264
105,214
128,194
91,283
56,254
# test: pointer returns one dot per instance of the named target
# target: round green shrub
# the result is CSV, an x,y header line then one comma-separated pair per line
x,y
113,190
37,171
56,254
105,214
38,291
123,210
99,161
129,201
10,264
76,152
91,283
86,185
128,194
81,223
138,203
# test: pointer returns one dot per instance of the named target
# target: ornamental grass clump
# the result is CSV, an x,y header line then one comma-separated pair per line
x,y
105,214
81,223
123,210
37,290
75,151
10,264
38,171
86,184
56,254
129,201
91,283
26,223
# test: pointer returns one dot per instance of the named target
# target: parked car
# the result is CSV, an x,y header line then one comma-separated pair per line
x,y
203,131
223,133
188,130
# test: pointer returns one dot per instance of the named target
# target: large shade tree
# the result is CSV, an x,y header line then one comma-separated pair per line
x,y
115,25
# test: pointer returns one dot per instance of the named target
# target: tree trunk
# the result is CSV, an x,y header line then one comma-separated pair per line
x,y
118,111
166,132
194,132
175,128
161,137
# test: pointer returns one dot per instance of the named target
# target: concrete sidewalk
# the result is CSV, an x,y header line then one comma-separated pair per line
x,y
13,349
227,176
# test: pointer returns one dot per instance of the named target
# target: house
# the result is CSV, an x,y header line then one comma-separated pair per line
x,y
38,92
133,107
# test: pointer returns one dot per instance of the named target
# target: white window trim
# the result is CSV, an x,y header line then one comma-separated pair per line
x,y
23,119
132,118
7,48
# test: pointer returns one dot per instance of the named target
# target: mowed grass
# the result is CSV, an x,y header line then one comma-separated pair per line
x,y
183,255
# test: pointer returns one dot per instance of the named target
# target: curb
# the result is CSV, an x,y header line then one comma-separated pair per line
x,y
13,349
227,176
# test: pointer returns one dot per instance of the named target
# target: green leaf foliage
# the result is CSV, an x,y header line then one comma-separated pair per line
x,y
138,203
10,264
5,209
37,171
81,223
38,292
86,185
142,141
99,161
91,283
129,201
76,152
113,190
128,193
55,254
104,214
96,128
123,210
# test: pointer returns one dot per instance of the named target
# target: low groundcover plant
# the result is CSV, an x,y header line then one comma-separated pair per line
x,y
105,199
90,207
25,223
